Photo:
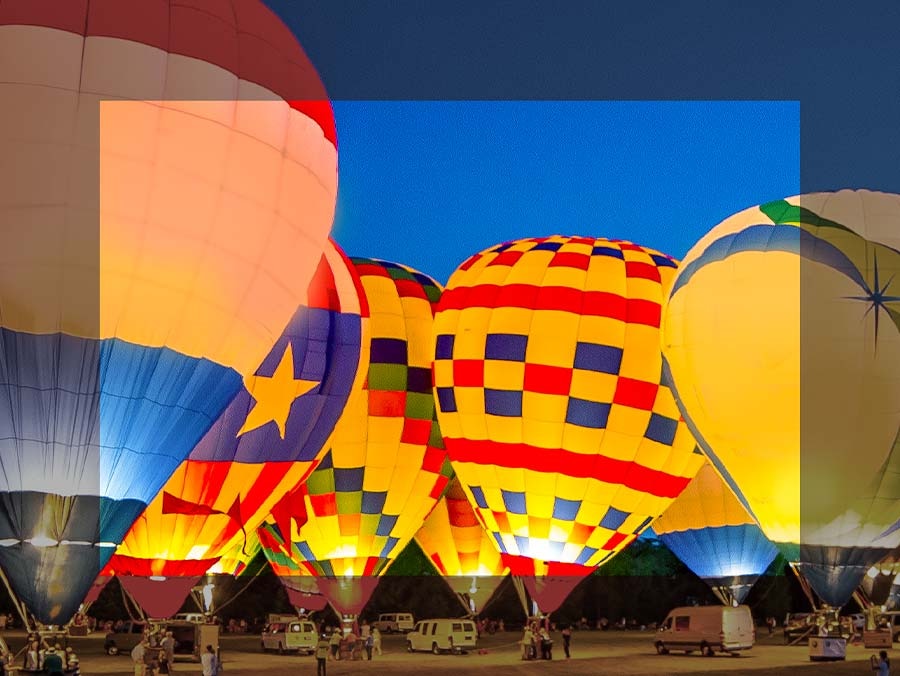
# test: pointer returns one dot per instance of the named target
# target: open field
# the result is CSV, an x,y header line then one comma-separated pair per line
x,y
612,653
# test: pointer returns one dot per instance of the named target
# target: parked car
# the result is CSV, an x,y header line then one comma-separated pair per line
x,y
389,623
297,636
707,629
442,635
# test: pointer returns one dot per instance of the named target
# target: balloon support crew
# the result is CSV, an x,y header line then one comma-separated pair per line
x,y
19,606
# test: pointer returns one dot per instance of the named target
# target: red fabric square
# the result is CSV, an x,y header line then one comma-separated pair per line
x,y
323,505
570,259
387,404
635,393
468,373
642,270
643,312
506,258
547,379
614,541
416,431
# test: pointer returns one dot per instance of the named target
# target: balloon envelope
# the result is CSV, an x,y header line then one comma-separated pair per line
x,y
547,376
164,200
781,339
714,535
387,466
461,550
269,438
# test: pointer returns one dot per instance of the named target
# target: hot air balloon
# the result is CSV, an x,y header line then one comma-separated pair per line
x,y
268,440
781,339
461,550
300,585
713,535
547,376
168,184
387,466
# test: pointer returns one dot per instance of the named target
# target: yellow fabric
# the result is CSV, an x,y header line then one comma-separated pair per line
x,y
778,365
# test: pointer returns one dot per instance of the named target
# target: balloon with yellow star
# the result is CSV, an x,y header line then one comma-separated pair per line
x,y
387,466
268,440
781,338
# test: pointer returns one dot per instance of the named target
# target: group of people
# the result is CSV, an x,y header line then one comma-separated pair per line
x,y
537,641
350,645
41,657
155,654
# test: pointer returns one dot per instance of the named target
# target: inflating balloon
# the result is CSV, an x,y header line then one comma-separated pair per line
x,y
268,440
781,339
387,466
547,375
168,184
712,533
461,550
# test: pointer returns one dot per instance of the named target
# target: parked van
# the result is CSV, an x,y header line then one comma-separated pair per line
x,y
707,629
389,623
297,636
453,635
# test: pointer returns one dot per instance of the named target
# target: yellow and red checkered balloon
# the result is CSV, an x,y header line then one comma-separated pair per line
x,y
387,466
547,376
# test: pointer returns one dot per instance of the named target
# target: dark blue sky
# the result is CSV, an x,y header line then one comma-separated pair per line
x,y
430,183
839,62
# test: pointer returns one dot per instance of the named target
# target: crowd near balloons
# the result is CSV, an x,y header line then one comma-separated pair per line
x,y
192,371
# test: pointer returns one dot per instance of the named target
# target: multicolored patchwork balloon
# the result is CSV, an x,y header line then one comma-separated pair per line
x,y
712,533
547,374
168,183
387,466
454,540
782,339
268,440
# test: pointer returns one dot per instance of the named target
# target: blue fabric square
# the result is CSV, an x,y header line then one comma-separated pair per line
x,y
502,402
597,357
661,429
373,502
514,502
613,518
505,346
386,524
585,413
608,251
499,541
388,546
305,551
446,399
478,494
585,555
443,348
348,480
547,246
565,510
662,261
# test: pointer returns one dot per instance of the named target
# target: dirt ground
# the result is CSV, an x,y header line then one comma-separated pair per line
x,y
596,653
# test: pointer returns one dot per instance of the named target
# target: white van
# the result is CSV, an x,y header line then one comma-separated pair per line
x,y
707,629
388,623
296,636
199,618
453,635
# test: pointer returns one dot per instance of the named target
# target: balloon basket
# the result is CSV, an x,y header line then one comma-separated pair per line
x,y
827,649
